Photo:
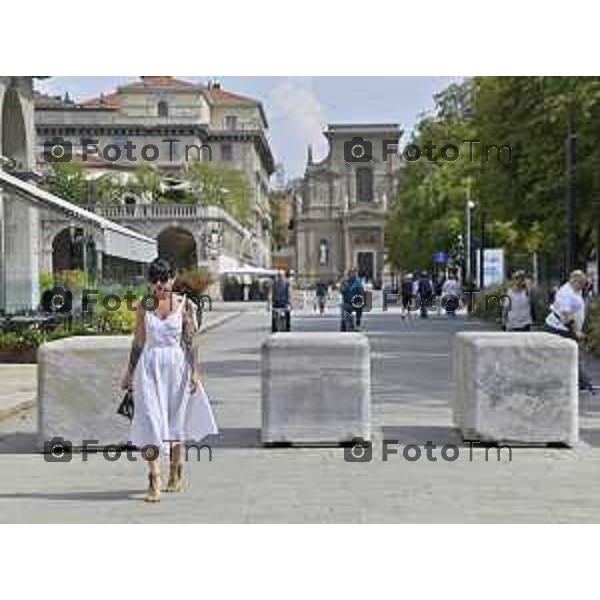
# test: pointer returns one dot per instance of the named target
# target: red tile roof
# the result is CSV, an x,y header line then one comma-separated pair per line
x,y
46,101
220,96
213,93
163,81
103,101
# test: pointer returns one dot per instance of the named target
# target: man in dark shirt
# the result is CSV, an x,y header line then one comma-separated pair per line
x,y
280,299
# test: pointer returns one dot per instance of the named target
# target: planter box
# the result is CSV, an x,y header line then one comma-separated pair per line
x,y
18,355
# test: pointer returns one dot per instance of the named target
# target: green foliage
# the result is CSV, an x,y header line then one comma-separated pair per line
x,y
117,321
145,180
10,340
72,278
221,186
46,280
523,200
107,189
279,231
67,181
592,328
488,305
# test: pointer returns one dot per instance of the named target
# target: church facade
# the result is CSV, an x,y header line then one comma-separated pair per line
x,y
341,203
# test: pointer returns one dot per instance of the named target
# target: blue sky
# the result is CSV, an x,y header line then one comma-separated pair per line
x,y
299,108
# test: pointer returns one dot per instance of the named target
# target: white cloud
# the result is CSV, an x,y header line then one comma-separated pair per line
x,y
297,117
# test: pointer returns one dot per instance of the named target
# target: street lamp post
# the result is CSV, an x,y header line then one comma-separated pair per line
x,y
569,191
468,208
482,250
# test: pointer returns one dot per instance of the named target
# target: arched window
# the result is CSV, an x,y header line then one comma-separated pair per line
x,y
364,184
163,109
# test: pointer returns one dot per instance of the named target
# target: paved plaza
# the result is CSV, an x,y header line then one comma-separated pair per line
x,y
411,388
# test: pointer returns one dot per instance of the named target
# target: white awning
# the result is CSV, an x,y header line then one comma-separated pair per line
x,y
249,270
117,240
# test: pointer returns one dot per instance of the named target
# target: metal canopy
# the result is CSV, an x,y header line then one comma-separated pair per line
x,y
118,241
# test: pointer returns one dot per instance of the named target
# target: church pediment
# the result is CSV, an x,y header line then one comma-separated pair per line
x,y
363,211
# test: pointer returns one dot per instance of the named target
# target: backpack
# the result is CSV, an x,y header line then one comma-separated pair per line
x,y
425,287
407,287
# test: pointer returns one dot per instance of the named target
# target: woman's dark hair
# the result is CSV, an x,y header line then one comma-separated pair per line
x,y
160,270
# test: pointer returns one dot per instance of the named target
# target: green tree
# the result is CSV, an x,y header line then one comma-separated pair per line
x,y
67,181
523,200
221,186
145,180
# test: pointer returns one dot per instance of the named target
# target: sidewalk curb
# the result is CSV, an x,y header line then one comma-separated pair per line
x,y
10,411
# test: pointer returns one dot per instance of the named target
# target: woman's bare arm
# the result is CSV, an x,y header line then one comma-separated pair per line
x,y
187,338
139,338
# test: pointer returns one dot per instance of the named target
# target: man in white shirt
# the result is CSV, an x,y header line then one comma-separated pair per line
x,y
451,294
567,315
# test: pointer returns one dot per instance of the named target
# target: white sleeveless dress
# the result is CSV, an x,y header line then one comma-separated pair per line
x,y
164,408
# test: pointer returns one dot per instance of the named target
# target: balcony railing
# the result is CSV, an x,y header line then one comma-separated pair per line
x,y
169,212
158,211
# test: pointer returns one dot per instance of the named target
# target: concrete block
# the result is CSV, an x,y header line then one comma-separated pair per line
x,y
315,388
516,387
79,389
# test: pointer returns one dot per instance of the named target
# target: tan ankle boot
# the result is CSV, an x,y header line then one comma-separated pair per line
x,y
153,492
175,483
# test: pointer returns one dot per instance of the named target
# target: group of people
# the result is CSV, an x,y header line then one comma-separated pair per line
x,y
418,293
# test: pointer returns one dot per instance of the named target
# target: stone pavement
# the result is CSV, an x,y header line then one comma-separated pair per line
x,y
411,384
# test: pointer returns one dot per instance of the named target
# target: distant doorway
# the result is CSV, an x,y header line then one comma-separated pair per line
x,y
365,263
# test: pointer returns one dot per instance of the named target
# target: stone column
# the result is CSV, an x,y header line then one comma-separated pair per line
x,y
2,255
21,254
347,255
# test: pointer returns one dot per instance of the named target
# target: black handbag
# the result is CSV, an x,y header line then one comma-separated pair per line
x,y
126,407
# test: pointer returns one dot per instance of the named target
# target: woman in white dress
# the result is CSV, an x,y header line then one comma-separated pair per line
x,y
170,406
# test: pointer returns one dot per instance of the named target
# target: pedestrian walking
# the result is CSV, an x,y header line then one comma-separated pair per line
x,y
170,404
352,299
357,295
567,316
425,293
280,301
321,295
518,307
407,293
451,293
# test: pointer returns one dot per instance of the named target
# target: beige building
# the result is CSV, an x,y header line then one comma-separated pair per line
x,y
339,209
172,122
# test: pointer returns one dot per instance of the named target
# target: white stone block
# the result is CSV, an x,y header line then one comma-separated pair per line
x,y
516,387
315,388
79,389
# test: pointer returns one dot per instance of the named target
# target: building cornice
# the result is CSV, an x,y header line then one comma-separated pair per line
x,y
121,129
256,136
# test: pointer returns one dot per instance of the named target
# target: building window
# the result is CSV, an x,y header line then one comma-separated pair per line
x,y
163,109
231,122
227,152
364,184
